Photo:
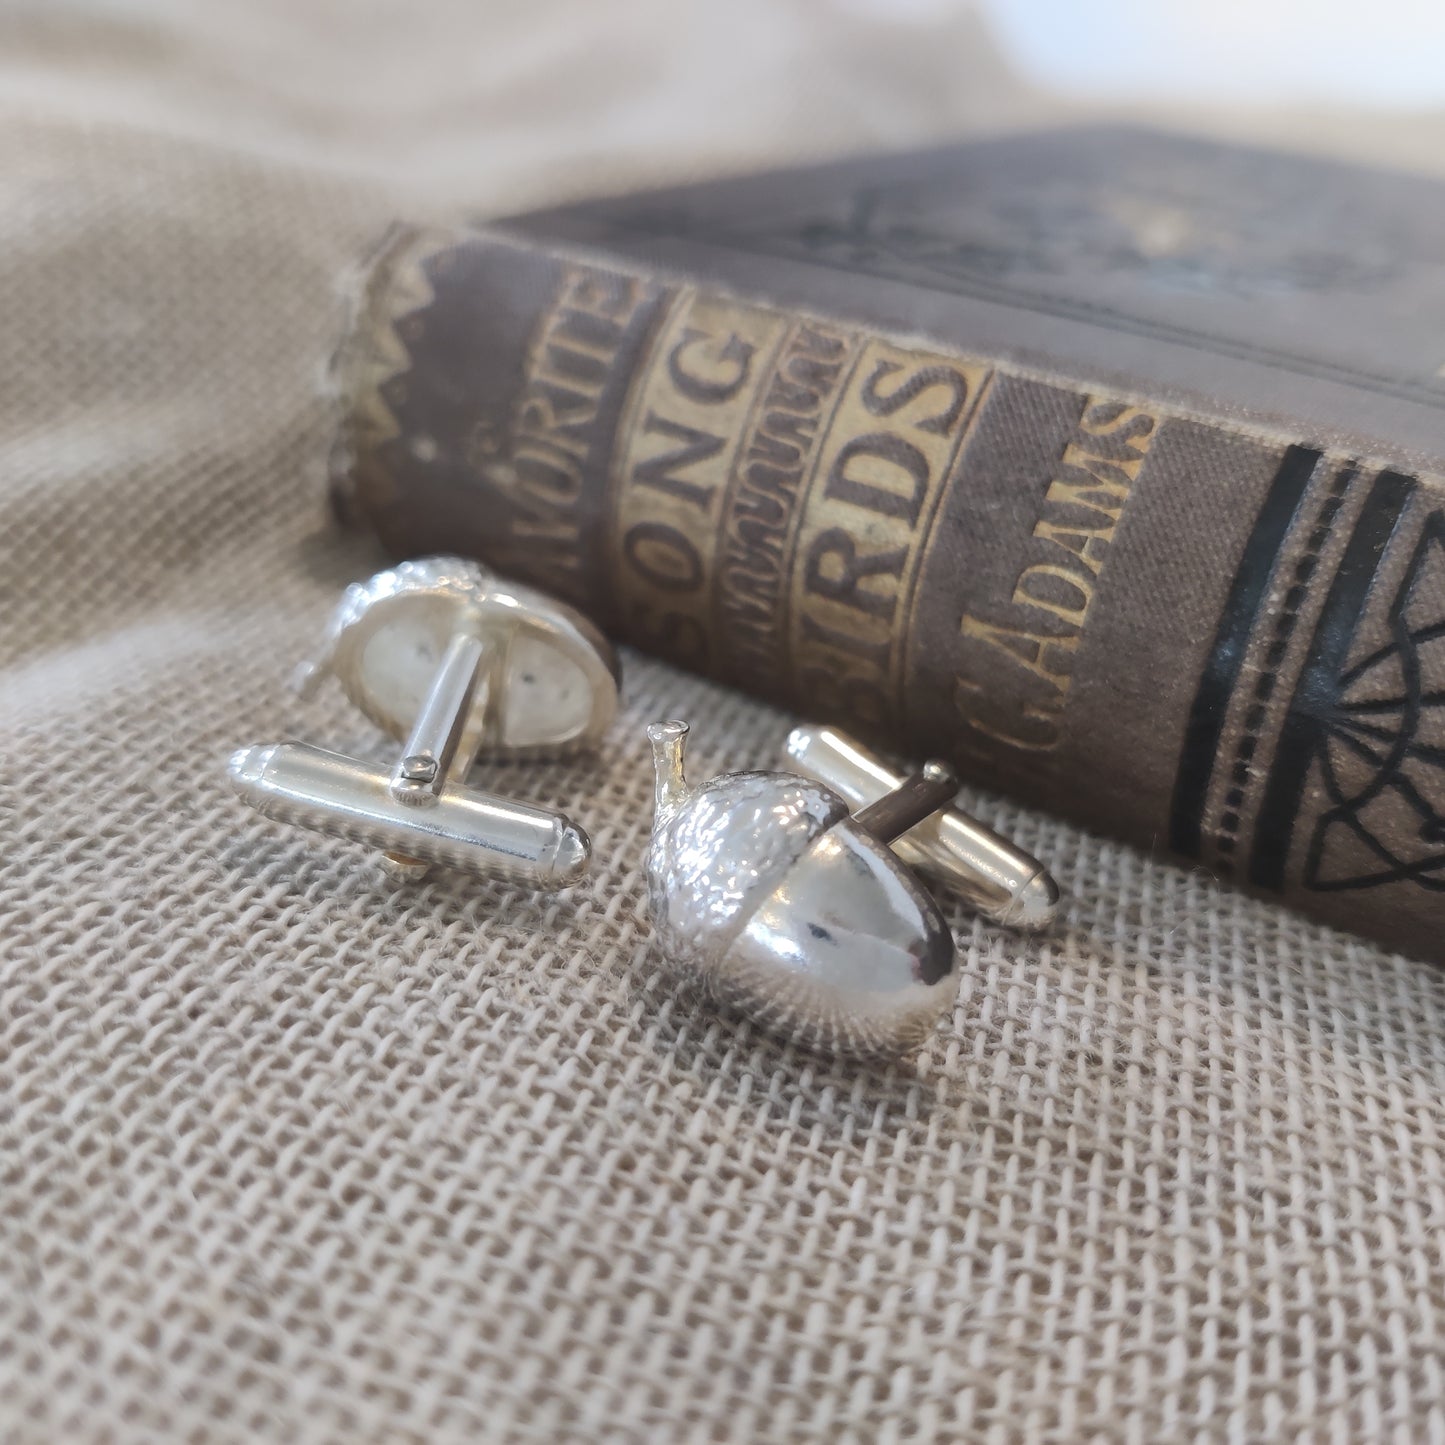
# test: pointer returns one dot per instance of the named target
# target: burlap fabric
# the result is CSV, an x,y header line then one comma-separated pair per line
x,y
290,1155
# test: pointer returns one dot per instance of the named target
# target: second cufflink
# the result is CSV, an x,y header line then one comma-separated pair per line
x,y
453,662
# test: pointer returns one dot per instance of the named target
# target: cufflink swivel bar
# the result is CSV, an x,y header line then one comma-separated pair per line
x,y
997,879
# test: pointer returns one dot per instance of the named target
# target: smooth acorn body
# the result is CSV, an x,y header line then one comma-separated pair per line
x,y
764,890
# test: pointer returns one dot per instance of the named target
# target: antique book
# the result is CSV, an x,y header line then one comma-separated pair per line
x,y
1108,464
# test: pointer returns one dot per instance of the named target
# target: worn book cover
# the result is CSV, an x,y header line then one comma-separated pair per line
x,y
1108,464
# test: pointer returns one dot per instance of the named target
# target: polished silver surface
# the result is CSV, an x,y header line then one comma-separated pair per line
x,y
431,746
446,656
1002,882
847,954
765,891
550,680
473,831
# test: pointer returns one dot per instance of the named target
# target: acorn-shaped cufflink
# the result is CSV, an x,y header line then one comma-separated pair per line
x,y
764,889
452,661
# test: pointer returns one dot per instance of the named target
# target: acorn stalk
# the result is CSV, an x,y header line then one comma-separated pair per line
x,y
669,742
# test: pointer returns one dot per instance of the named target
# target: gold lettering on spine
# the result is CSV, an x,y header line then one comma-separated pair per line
x,y
685,423
572,355
1031,642
760,521
868,507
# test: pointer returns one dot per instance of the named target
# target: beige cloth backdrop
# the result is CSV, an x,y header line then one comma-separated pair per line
x,y
290,1155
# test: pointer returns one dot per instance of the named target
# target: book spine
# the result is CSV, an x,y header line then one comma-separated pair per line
x,y
1189,634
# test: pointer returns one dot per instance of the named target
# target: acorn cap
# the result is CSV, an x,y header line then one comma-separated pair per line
x,y
728,845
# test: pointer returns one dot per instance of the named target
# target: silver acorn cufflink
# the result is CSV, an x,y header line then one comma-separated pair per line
x,y
764,889
787,906
454,663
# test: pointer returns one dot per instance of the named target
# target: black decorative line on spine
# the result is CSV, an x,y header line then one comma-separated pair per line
x,y
1310,709
1285,621
1231,641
